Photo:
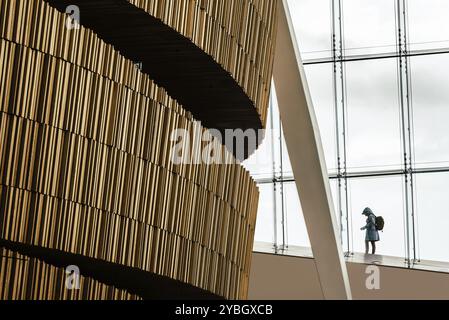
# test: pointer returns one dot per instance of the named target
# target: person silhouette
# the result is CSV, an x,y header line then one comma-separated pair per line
x,y
372,235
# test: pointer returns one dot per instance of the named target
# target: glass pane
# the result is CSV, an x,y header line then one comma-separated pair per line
x,y
341,227
369,26
265,215
430,78
321,84
385,197
334,191
320,80
260,164
276,134
432,206
312,23
287,169
296,227
373,116
428,24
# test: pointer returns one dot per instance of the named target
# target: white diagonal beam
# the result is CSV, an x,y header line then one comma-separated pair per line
x,y
307,158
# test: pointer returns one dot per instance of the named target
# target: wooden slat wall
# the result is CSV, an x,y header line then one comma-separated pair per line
x,y
238,34
23,278
85,163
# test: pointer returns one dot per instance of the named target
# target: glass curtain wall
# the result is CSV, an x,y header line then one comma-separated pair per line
x,y
378,72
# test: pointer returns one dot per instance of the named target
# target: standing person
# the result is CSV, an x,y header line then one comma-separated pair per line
x,y
372,235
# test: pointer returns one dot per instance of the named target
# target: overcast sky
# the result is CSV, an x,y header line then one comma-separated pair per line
x,y
374,136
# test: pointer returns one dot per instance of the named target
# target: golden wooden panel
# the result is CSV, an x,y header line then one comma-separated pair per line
x,y
36,25
58,224
85,161
238,34
22,278
30,149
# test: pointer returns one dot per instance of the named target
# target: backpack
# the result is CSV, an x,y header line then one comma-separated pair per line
x,y
380,223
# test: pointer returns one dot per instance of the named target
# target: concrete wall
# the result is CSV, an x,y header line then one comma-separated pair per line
x,y
294,278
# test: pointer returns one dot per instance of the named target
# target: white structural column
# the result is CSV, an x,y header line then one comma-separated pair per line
x,y
307,158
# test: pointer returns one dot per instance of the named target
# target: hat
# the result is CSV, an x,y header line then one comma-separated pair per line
x,y
368,211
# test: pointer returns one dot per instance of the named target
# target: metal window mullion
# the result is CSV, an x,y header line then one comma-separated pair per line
x,y
410,163
405,105
402,119
337,131
273,153
376,56
367,174
340,118
281,190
